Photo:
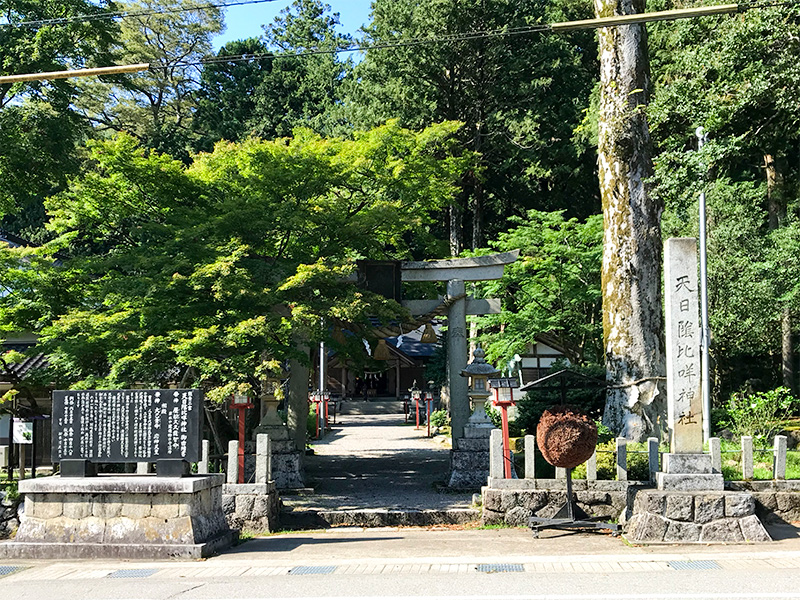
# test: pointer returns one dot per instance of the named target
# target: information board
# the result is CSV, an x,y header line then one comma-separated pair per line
x,y
127,425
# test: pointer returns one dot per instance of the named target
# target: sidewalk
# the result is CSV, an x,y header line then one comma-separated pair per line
x,y
354,551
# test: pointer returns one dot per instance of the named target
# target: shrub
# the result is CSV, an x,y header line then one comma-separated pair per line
x,y
440,418
311,422
638,462
760,414
514,427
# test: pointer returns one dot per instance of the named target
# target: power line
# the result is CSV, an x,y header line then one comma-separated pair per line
x,y
409,42
567,26
128,14
474,35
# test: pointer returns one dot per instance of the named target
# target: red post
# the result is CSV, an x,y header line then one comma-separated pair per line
x,y
506,442
326,398
428,403
242,417
317,406
417,402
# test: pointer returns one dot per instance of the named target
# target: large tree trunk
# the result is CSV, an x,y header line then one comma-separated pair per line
x,y
297,403
631,277
776,211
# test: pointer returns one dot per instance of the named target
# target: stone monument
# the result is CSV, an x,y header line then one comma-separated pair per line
x,y
685,467
469,460
689,504
286,461
80,514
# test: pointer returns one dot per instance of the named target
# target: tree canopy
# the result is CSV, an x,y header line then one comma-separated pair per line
x,y
156,265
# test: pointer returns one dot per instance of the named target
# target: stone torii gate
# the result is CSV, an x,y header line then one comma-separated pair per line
x,y
457,271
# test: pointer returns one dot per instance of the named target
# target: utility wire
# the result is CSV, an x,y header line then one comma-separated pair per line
x,y
128,14
474,35
408,42
505,32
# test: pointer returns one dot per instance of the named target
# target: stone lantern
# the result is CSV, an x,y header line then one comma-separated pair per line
x,y
470,457
270,419
479,372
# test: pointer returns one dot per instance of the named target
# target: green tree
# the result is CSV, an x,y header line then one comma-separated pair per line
x,y
156,106
741,75
520,97
38,127
213,266
553,288
304,87
226,96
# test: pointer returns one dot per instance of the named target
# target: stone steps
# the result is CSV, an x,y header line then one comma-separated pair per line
x,y
371,407
295,520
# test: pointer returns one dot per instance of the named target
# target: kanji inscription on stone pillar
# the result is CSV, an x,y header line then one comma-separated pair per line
x,y
684,400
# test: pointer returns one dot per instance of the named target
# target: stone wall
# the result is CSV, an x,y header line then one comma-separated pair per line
x,y
253,506
776,501
9,514
683,517
120,517
514,501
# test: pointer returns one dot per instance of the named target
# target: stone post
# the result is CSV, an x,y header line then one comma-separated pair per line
x,y
684,397
496,454
715,449
297,401
652,457
263,458
202,466
591,467
233,462
622,459
747,458
142,468
457,359
530,457
561,473
779,471
685,467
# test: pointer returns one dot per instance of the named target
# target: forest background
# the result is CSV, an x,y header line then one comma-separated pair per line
x,y
196,220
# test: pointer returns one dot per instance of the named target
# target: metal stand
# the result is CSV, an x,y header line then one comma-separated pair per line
x,y
570,516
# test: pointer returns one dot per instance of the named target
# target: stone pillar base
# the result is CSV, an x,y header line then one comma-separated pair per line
x,y
121,517
689,472
469,460
255,506
674,517
287,465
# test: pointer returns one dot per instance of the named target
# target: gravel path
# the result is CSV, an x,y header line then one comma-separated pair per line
x,y
378,461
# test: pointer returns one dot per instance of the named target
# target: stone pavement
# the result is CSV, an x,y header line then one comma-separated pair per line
x,y
377,462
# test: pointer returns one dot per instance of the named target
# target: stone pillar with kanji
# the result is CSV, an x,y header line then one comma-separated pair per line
x,y
685,467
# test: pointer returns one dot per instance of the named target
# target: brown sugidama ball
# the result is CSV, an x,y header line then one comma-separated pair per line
x,y
566,437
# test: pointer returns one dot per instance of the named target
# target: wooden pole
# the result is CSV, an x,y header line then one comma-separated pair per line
x,y
74,73
664,15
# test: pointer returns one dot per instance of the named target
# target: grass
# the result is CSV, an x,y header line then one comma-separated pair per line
x,y
499,526
11,488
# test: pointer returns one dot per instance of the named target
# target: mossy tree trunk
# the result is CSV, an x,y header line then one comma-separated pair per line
x,y
776,212
631,276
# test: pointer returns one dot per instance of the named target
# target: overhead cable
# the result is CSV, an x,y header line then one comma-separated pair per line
x,y
563,27
127,14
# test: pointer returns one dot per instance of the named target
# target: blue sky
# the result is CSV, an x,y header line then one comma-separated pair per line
x,y
246,21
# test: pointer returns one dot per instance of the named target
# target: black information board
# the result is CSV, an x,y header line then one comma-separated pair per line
x,y
127,425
